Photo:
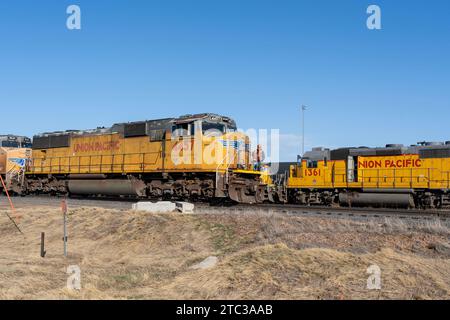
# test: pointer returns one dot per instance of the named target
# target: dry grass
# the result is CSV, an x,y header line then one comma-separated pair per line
x,y
136,255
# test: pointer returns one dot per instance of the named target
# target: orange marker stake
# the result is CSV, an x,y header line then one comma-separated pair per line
x,y
11,204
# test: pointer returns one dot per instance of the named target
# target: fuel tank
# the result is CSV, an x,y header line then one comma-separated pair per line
x,y
109,187
392,200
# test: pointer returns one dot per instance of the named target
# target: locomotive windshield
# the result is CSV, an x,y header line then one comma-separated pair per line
x,y
212,128
183,129
10,144
208,128
12,141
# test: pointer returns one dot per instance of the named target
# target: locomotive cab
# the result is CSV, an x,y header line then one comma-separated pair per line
x,y
204,124
311,165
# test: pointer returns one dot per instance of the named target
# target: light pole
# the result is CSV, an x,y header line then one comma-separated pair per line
x,y
303,129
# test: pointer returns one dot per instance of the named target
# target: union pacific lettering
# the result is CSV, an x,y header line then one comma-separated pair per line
x,y
96,146
388,163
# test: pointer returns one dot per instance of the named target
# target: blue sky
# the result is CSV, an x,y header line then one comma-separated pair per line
x,y
256,61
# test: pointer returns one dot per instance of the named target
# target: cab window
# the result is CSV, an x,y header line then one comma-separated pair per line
x,y
10,144
213,128
311,164
294,171
183,130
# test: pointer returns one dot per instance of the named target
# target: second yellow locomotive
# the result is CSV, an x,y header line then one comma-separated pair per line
x,y
396,176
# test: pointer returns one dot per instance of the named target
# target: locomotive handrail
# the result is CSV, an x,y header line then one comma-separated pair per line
x,y
427,178
50,162
226,171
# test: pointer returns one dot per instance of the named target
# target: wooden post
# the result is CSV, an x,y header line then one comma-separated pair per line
x,y
64,210
43,244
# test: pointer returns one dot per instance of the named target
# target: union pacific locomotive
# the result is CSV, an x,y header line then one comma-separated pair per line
x,y
199,157
394,176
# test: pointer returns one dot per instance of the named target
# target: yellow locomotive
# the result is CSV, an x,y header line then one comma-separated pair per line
x,y
199,156
395,176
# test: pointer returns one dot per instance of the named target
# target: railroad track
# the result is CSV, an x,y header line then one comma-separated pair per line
x,y
290,209
344,211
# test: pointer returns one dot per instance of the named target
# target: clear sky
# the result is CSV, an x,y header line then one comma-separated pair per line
x,y
254,60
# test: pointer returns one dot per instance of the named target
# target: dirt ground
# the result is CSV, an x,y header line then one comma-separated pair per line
x,y
136,255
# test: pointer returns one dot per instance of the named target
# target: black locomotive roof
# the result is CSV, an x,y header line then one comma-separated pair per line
x,y
153,128
423,149
156,124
